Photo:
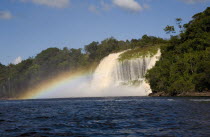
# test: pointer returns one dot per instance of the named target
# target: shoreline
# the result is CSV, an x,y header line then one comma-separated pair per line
x,y
159,94
187,94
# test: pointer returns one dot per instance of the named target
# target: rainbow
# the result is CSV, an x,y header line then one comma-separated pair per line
x,y
47,87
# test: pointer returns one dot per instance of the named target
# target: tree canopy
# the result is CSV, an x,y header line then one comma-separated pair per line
x,y
185,62
15,79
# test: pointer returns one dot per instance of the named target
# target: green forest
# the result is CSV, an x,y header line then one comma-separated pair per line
x,y
183,67
16,79
185,62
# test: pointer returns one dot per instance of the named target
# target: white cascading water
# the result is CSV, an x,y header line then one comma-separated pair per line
x,y
111,78
126,78
103,76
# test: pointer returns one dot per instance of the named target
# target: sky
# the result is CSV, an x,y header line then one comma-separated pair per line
x,y
29,26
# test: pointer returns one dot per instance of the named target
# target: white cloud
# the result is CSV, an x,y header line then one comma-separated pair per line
x,y
50,3
6,15
93,9
97,9
194,1
17,60
131,5
105,6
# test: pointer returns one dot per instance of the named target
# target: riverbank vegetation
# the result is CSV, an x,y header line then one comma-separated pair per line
x,y
185,63
148,50
16,79
184,66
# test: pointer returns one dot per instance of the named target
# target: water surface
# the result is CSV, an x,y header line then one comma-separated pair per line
x,y
111,116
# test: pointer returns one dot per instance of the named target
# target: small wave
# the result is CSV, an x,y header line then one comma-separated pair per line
x,y
42,117
121,100
45,129
12,130
2,120
27,134
200,100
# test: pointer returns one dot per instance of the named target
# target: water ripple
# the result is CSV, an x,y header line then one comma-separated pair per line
x,y
126,116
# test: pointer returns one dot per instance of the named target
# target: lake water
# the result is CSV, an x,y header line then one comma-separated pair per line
x,y
111,116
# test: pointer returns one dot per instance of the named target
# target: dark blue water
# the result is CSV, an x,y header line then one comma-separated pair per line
x,y
127,116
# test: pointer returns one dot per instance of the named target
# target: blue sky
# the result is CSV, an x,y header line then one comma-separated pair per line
x,y
29,26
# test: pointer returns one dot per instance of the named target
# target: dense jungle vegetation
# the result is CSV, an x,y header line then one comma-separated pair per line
x,y
183,67
185,62
140,52
16,79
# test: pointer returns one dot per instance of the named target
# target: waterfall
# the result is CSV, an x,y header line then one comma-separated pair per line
x,y
103,75
111,78
114,77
